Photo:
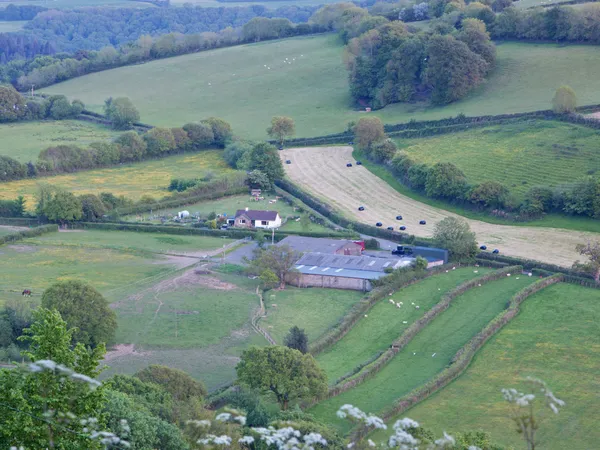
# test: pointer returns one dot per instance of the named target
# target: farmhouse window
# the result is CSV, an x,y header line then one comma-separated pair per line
x,y
264,222
242,220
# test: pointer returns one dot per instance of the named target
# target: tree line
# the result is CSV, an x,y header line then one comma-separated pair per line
x,y
20,12
388,63
47,70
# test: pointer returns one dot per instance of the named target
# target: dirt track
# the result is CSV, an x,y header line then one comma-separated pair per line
x,y
322,171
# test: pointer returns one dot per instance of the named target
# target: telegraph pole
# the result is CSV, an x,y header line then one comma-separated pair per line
x,y
32,86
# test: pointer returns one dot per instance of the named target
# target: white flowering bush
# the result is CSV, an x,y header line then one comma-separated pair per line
x,y
525,408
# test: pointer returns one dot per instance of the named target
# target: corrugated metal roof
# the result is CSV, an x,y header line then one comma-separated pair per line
x,y
364,263
342,273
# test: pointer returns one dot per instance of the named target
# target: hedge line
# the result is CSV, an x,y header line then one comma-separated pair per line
x,y
372,369
464,356
360,308
233,184
530,264
32,232
179,230
19,221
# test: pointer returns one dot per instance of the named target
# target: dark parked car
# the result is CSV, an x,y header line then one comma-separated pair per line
x,y
361,208
390,228
483,247
422,222
359,163
288,161
378,224
402,228
398,217
349,165
402,251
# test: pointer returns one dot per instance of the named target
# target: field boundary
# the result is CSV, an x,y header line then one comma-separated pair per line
x,y
24,234
350,319
463,357
397,345
259,314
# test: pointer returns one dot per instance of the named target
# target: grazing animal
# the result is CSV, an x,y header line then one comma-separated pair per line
x,y
26,293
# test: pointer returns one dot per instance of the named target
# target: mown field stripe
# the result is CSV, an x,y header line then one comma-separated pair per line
x,y
428,353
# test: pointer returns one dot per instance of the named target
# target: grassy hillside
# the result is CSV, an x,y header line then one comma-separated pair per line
x,y
385,322
131,180
552,339
518,155
314,89
428,353
314,310
24,141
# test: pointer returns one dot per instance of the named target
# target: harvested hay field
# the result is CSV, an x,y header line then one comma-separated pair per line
x,y
322,171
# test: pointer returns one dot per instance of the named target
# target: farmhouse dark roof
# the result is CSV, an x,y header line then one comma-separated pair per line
x,y
255,214
319,245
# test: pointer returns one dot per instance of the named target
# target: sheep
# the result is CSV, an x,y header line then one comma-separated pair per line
x,y
366,315
479,285
391,301
401,303
434,354
417,307
529,274
413,303
454,268
404,321
476,271
508,274
398,305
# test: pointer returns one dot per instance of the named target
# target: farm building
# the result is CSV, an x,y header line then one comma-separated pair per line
x,y
251,218
317,245
342,271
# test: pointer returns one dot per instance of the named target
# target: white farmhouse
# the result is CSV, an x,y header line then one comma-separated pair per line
x,y
251,218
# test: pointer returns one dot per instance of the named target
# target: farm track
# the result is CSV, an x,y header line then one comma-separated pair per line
x,y
322,171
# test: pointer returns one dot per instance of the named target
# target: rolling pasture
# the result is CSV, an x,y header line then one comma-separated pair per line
x,y
322,171
552,339
131,180
385,322
313,89
518,155
314,310
24,141
428,353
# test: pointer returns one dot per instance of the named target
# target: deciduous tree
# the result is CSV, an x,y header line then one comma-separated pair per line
x,y
200,134
279,259
12,104
121,112
83,308
281,128
63,207
285,372
368,131
455,235
564,100
221,130
264,157
592,265
297,339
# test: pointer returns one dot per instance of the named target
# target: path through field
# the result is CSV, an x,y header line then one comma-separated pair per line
x,y
322,171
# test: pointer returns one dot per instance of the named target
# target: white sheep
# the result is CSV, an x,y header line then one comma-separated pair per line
x,y
404,321
401,303
433,355
366,315
508,274
417,307
476,271
529,274
391,301
454,268
479,285
413,303
398,305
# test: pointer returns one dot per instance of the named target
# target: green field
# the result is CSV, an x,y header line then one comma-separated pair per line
x,y
24,141
384,323
30,266
415,364
314,90
518,155
131,180
134,242
555,338
11,25
314,310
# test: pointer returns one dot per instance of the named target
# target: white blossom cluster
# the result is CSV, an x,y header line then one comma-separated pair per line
x,y
355,413
215,440
288,438
50,366
551,400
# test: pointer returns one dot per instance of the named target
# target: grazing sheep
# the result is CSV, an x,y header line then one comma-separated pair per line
x,y
433,355
398,305
476,271
417,307
391,301
404,321
366,315
508,274
479,285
